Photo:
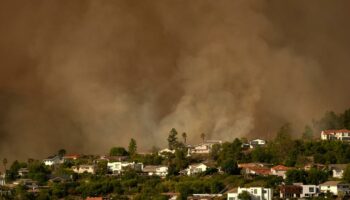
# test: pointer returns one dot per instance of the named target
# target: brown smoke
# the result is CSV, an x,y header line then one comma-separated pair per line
x,y
87,75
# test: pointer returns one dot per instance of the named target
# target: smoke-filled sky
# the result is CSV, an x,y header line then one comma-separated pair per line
x,y
86,75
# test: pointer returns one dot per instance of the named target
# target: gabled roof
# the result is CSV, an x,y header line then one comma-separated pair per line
x,y
336,131
151,168
261,171
330,183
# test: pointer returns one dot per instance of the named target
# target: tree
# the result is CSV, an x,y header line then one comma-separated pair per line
x,y
118,151
203,137
61,153
316,177
172,139
282,144
215,151
244,196
308,134
132,147
296,176
184,136
4,162
346,175
230,166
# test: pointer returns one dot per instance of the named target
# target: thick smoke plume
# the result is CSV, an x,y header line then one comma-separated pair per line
x,y
86,75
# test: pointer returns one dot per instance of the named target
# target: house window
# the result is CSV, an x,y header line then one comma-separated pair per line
x,y
311,189
255,191
231,198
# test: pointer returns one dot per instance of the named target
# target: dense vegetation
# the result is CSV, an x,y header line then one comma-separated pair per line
x,y
283,149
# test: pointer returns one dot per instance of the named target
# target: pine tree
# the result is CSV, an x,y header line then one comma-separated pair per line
x,y
172,139
132,147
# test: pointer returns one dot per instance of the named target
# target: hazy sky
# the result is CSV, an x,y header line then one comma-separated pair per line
x,y
86,75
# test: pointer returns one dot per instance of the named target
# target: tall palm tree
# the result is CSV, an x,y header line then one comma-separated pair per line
x,y
203,137
4,162
184,136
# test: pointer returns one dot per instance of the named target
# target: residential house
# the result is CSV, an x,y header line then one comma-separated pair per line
x,y
119,167
195,169
290,191
203,148
317,166
71,157
166,151
22,172
114,158
84,169
308,191
156,170
334,187
342,135
28,183
257,143
280,170
337,170
256,193
260,169
53,160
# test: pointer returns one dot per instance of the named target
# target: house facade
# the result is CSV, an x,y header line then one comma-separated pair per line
x,y
53,160
156,170
308,191
280,170
334,187
84,169
166,151
337,170
119,167
257,143
195,169
256,193
204,148
290,191
342,135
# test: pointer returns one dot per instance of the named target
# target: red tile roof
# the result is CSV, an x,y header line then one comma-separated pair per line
x,y
281,168
336,131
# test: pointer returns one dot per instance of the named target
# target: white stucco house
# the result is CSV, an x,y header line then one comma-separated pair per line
x,y
256,193
53,160
256,143
203,148
195,169
166,151
342,135
334,187
337,170
308,191
119,167
84,169
156,170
